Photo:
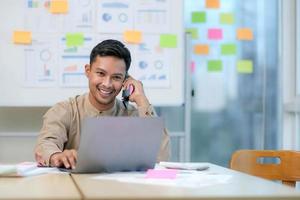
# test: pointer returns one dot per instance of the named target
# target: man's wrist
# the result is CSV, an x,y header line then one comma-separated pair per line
x,y
142,102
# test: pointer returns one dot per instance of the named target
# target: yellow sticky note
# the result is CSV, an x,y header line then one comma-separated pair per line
x,y
244,34
226,18
22,37
201,49
245,66
213,4
59,6
134,37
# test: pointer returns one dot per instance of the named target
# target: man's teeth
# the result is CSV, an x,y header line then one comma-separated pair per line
x,y
105,91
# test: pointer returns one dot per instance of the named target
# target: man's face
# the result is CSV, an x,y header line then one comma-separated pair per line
x,y
106,75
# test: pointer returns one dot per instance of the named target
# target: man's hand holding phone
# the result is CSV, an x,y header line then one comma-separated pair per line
x,y
136,89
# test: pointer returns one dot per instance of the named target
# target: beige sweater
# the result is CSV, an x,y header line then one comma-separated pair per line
x,y
61,126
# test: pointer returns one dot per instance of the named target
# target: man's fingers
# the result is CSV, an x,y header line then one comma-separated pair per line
x,y
67,158
65,161
74,152
57,163
72,161
55,160
71,155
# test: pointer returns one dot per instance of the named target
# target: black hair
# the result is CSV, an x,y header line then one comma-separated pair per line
x,y
111,48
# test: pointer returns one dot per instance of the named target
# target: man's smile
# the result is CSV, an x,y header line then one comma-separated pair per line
x,y
104,92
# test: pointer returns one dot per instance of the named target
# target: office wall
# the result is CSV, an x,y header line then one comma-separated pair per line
x,y
22,103
48,68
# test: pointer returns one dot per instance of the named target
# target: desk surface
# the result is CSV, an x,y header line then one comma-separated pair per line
x,y
239,186
48,186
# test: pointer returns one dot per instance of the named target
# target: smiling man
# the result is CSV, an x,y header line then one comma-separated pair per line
x,y
107,74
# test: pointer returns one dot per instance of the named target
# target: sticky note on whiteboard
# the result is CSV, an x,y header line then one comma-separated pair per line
x,y
22,37
201,49
228,49
214,4
74,39
134,37
193,32
198,17
168,41
226,18
215,34
214,65
59,6
244,34
245,66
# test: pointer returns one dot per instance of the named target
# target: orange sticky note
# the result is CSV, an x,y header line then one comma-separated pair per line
x,y
133,37
22,37
201,49
244,34
59,6
213,4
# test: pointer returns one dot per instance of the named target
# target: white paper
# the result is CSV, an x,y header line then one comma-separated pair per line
x,y
72,62
26,169
114,16
184,165
41,62
152,16
38,17
81,16
152,63
185,178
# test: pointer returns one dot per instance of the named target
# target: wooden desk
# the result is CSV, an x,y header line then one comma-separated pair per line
x,y
48,186
239,186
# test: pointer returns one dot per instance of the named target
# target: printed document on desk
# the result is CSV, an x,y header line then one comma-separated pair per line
x,y
183,178
25,169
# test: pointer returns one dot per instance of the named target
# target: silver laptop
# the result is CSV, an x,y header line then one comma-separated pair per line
x,y
110,144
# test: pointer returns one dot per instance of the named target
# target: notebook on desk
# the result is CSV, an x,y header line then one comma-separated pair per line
x,y
110,144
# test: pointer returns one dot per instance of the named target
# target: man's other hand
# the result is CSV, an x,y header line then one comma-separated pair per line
x,y
67,159
138,95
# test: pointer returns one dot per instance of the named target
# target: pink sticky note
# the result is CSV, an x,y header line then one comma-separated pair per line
x,y
215,34
193,67
161,173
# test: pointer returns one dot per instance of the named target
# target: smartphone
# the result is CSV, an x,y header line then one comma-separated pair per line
x,y
125,95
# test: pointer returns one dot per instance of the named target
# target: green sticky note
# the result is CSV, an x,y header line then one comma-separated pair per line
x,y
226,18
245,66
74,39
214,65
168,41
193,32
228,49
198,17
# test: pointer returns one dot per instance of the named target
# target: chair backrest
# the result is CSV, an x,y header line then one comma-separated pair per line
x,y
288,170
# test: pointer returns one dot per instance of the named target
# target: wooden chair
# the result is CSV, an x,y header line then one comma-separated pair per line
x,y
288,170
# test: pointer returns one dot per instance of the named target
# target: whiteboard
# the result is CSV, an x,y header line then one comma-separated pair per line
x,y
16,89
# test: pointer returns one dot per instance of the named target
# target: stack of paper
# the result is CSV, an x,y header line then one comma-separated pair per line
x,y
25,169
183,166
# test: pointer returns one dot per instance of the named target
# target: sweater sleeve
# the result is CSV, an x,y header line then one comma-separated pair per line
x,y
54,133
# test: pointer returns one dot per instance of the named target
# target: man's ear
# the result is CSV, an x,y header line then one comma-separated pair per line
x,y
87,69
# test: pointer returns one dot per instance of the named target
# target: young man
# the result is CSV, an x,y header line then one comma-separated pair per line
x,y
107,74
